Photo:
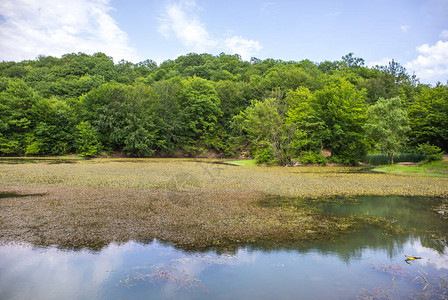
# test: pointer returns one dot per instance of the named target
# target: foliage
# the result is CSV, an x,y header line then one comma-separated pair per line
x,y
430,152
196,103
117,112
310,157
200,109
428,117
87,143
269,137
302,114
264,155
332,117
387,125
16,119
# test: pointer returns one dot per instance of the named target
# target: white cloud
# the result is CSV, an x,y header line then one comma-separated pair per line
x,y
404,28
444,34
52,27
431,65
245,48
180,19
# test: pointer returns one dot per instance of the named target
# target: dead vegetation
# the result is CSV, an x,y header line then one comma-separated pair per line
x,y
190,204
90,217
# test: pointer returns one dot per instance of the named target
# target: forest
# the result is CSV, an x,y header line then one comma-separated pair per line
x,y
278,112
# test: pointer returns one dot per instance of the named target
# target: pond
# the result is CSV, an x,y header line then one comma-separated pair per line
x,y
369,263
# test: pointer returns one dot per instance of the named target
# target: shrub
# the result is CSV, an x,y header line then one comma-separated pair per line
x,y
310,157
87,140
430,152
264,156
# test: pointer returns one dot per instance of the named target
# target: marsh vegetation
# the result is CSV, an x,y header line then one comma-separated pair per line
x,y
193,204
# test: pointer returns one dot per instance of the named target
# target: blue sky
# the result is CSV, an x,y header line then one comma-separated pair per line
x,y
413,32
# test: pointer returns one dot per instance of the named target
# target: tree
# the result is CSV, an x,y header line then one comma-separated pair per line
x,y
87,143
269,137
388,125
54,130
350,61
200,110
189,103
120,115
285,77
397,71
301,113
341,108
166,115
16,120
428,117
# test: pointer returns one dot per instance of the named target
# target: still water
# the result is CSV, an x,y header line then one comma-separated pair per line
x,y
369,263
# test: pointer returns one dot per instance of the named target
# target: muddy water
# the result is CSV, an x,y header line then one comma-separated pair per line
x,y
369,263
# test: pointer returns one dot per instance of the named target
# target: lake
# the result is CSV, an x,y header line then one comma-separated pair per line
x,y
368,263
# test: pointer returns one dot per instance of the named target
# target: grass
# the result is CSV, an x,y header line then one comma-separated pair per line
x,y
192,204
243,162
382,159
429,169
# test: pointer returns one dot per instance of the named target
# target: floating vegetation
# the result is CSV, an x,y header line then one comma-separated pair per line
x,y
92,218
428,286
442,208
170,274
177,273
191,204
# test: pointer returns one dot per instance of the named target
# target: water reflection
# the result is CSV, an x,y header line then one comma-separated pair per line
x,y
130,271
417,216
366,263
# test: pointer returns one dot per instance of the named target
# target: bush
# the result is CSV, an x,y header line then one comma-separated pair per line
x,y
33,148
430,152
264,156
87,140
310,157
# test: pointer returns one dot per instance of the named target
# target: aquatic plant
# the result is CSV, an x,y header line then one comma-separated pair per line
x,y
431,286
164,274
193,204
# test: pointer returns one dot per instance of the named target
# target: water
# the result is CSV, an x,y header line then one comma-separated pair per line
x,y
367,263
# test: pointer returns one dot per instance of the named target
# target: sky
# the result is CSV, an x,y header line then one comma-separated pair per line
x,y
412,32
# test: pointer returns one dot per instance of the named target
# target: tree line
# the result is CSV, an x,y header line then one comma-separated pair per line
x,y
276,111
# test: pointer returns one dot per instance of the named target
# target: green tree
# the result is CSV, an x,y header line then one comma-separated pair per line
x,y
54,131
341,110
301,113
270,139
120,115
285,77
166,112
388,126
428,117
16,120
200,110
87,143
352,62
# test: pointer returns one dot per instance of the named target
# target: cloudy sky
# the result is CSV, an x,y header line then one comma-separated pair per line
x,y
413,32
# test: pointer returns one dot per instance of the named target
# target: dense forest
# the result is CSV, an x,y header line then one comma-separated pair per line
x,y
276,111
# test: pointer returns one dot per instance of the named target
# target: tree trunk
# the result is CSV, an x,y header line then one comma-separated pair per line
x,y
391,158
